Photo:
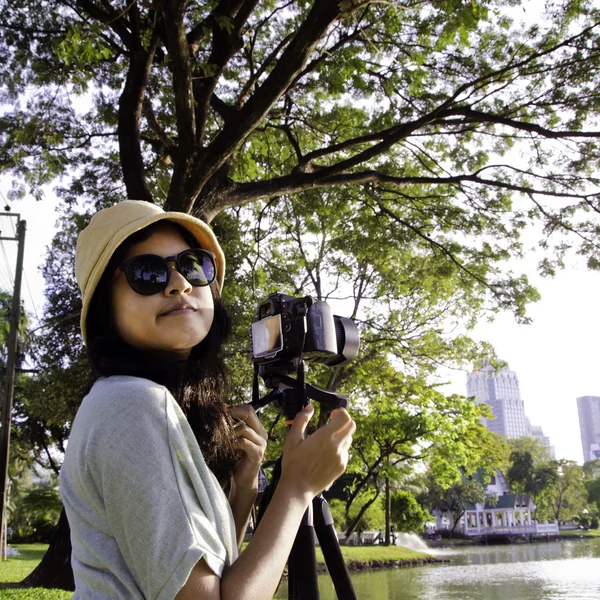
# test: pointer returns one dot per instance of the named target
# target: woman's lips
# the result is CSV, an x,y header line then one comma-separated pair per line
x,y
181,309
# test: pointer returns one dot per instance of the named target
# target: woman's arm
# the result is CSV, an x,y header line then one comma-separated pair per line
x,y
241,501
308,466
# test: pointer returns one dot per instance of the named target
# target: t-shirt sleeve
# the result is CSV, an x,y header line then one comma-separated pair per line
x,y
159,505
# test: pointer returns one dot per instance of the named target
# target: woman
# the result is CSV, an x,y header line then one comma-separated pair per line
x,y
154,443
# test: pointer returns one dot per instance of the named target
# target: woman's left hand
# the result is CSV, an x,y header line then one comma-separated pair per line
x,y
252,442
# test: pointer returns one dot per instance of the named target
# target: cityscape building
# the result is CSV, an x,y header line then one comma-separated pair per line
x,y
588,408
499,389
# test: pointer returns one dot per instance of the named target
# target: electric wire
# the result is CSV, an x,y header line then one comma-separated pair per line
x,y
35,311
5,276
7,264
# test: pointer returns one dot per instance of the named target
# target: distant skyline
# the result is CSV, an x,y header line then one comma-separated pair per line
x,y
556,356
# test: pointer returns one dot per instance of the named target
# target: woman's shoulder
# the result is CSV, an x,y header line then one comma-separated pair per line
x,y
126,384
120,393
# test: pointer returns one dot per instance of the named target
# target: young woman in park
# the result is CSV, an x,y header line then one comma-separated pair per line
x,y
155,444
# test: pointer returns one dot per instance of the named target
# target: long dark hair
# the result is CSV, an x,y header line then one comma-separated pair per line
x,y
199,384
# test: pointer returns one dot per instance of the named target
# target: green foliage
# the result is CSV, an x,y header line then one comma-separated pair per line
x,y
33,513
591,475
384,157
443,109
407,514
566,495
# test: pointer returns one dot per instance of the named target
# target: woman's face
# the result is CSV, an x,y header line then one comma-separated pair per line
x,y
169,323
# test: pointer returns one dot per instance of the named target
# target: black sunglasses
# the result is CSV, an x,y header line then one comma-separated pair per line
x,y
148,274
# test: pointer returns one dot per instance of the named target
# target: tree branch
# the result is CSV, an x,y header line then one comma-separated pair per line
x,y
321,16
130,112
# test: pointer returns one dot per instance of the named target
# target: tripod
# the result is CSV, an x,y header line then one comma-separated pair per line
x,y
292,395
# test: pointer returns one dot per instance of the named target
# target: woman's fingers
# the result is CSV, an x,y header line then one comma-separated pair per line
x,y
245,413
296,433
248,415
248,438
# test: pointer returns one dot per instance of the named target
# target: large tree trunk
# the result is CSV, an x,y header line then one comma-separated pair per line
x,y
54,571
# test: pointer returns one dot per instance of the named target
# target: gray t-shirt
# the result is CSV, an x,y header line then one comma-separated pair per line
x,y
142,505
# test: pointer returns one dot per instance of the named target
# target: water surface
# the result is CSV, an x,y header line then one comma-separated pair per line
x,y
567,570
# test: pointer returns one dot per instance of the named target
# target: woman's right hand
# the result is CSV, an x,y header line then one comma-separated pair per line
x,y
314,463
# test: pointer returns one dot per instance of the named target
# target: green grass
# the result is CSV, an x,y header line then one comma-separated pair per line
x,y
17,568
369,553
580,533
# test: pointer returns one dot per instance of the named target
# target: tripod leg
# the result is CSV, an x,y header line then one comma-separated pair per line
x,y
302,562
324,527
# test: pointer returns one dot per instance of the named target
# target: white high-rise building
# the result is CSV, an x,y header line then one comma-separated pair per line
x,y
589,425
500,390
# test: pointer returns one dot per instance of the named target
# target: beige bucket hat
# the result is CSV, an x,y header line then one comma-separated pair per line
x,y
110,227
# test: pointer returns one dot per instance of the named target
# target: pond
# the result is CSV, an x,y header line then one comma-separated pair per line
x,y
567,570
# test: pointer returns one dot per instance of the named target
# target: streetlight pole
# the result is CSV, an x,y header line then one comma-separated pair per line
x,y
9,379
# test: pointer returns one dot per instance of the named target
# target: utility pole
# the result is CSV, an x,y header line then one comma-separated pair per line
x,y
9,378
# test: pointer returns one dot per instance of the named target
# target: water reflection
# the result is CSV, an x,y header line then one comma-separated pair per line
x,y
558,570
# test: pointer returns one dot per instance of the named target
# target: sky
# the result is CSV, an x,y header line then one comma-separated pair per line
x,y
556,356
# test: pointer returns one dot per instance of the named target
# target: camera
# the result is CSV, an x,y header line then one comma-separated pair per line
x,y
287,329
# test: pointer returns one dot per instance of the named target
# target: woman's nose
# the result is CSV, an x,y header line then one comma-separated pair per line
x,y
177,284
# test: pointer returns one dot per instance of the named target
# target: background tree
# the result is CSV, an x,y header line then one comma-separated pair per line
x,y
437,110
407,514
532,472
591,473
566,496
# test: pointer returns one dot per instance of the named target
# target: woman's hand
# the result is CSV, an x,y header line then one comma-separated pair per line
x,y
252,443
313,464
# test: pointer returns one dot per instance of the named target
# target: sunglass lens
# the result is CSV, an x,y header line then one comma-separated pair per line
x,y
197,267
147,275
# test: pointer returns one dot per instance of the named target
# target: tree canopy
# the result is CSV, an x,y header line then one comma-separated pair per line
x,y
440,111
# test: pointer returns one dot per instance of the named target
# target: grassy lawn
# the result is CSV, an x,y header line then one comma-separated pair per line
x,y
580,533
369,553
16,568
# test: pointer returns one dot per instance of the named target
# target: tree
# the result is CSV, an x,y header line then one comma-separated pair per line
x,y
531,471
393,134
34,513
566,495
407,514
428,107
405,422
591,471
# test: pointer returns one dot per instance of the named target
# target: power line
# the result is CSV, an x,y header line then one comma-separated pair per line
x,y
35,312
7,264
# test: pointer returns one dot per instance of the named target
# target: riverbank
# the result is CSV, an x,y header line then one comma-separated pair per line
x,y
562,535
358,558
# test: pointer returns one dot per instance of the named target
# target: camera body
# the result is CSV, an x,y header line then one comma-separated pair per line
x,y
286,329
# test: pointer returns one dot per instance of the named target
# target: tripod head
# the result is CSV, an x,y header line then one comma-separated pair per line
x,y
292,395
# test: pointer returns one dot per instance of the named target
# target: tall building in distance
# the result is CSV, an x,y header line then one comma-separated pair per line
x,y
588,408
499,388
